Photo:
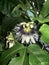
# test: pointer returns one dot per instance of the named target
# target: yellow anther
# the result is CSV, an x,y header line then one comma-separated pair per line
x,y
27,29
27,26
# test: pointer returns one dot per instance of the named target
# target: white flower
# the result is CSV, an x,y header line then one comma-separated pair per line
x,y
26,32
10,40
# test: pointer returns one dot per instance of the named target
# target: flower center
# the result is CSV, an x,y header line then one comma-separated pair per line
x,y
26,28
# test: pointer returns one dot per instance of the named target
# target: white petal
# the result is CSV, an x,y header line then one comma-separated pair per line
x,y
18,34
27,38
22,23
11,44
23,38
32,39
36,36
31,26
16,28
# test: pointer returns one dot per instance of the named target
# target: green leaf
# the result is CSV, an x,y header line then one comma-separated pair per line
x,y
8,23
21,60
14,9
45,33
42,19
8,54
45,9
1,48
38,56
6,7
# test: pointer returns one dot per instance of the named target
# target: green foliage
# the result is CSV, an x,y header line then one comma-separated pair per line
x,y
9,53
7,23
45,33
13,9
37,55
22,60
13,12
45,9
42,19
1,48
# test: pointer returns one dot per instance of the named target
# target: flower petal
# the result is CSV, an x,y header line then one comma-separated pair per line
x,y
32,39
23,38
27,38
11,44
36,36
